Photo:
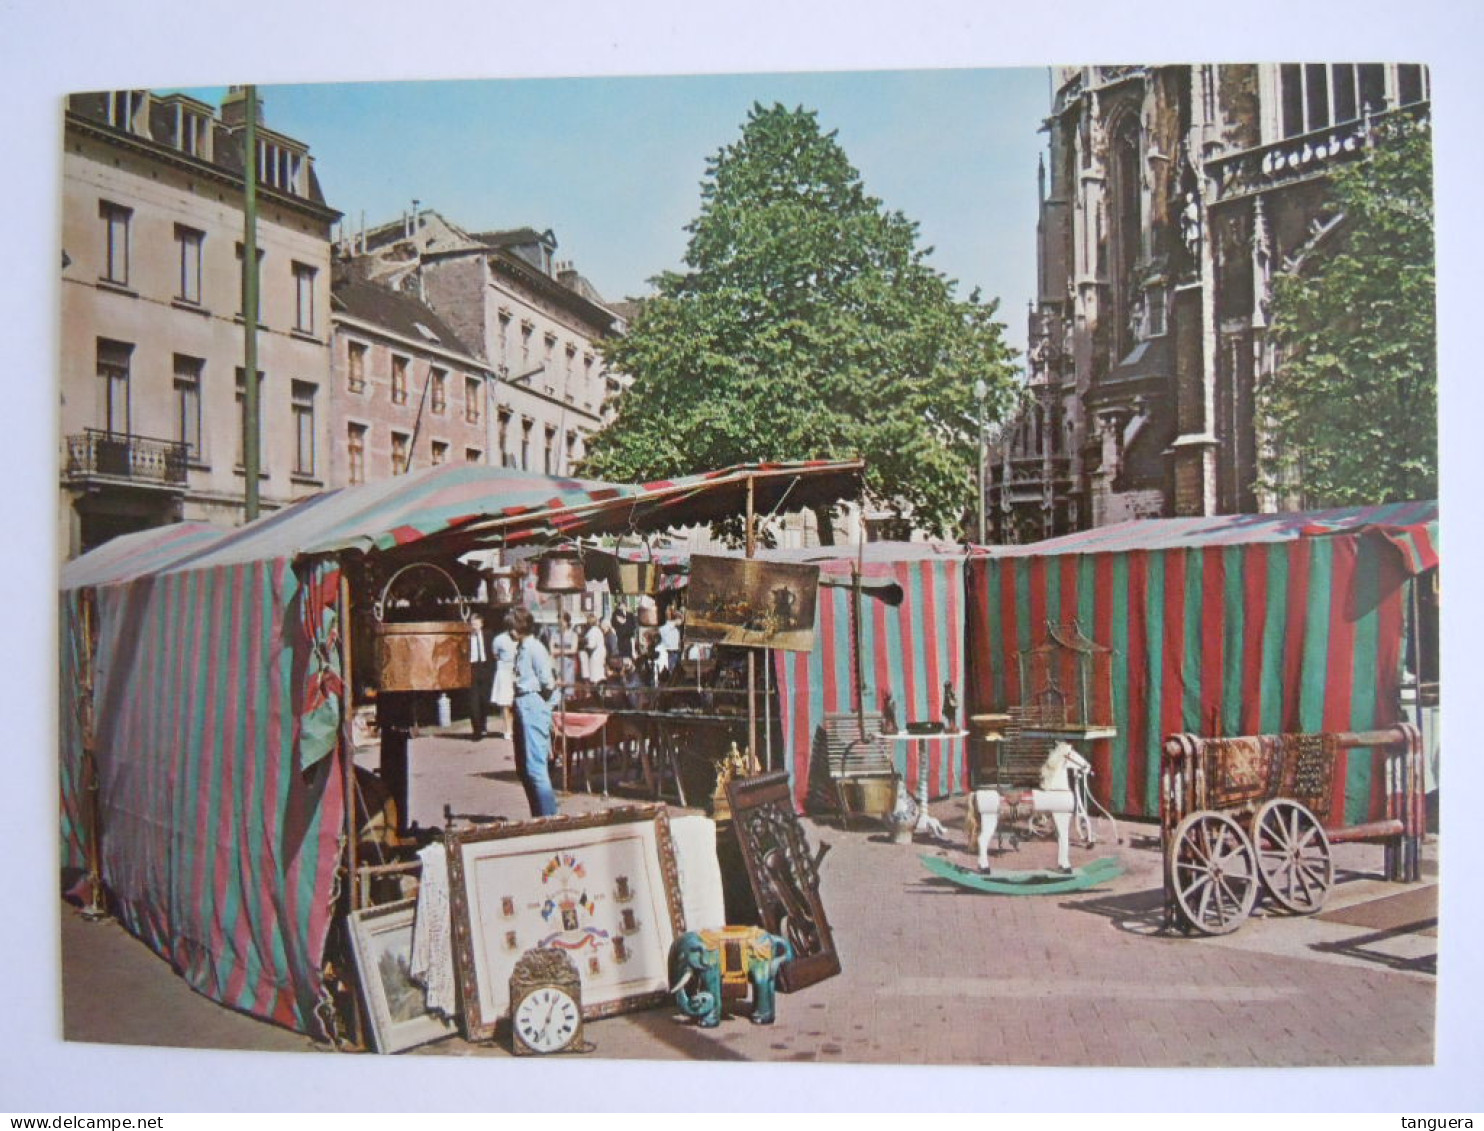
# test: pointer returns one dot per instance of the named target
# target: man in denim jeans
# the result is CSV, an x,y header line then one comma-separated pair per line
x,y
534,683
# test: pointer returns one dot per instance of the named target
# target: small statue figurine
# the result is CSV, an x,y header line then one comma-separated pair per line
x,y
888,713
950,707
732,766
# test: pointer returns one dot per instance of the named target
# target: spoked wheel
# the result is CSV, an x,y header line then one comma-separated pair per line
x,y
1293,856
1211,870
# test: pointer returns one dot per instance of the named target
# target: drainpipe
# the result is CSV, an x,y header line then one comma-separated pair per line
x,y
252,428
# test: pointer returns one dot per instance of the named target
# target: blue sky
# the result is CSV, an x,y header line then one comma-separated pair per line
x,y
614,165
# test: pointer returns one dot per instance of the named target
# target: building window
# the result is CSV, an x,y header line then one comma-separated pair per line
x,y
525,443
401,442
188,404
503,434
123,108
1313,96
113,378
304,392
526,330
399,380
504,337
356,356
1411,84
242,419
471,399
473,455
116,219
438,378
304,298
439,450
188,243
241,253
571,451
356,447
549,456
278,167
192,133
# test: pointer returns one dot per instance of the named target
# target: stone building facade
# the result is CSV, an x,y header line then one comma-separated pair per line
x,y
1170,197
405,392
532,321
152,344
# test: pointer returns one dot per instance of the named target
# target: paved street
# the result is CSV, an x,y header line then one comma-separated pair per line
x,y
933,974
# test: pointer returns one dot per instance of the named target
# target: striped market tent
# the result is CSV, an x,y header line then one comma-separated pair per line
x,y
911,651
1243,624
208,665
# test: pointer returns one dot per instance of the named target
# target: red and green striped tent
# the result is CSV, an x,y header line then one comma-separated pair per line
x,y
214,670
911,650
1241,624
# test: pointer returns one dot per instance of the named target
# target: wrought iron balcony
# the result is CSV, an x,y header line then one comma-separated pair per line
x,y
116,455
1309,155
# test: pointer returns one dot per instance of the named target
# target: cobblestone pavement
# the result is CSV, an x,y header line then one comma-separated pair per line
x,y
933,974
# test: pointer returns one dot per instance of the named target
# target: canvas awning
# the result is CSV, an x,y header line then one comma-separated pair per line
x,y
468,506
1228,624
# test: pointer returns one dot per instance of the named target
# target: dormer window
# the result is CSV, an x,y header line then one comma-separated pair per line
x,y
124,109
279,167
194,134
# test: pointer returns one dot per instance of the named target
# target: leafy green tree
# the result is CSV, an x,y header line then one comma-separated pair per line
x,y
1353,403
807,326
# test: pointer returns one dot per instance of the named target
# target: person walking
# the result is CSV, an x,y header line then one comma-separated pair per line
x,y
535,684
503,694
670,642
594,650
482,665
624,631
564,650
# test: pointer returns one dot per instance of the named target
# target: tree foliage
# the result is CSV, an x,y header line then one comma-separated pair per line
x,y
1353,403
808,325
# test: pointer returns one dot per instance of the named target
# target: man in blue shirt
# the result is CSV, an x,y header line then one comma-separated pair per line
x,y
534,684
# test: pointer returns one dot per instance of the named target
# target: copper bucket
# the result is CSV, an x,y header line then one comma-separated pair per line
x,y
561,572
423,655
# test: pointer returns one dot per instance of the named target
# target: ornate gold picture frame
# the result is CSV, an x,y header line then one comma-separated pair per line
x,y
604,888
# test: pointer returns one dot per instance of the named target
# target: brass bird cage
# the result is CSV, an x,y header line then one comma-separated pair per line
x,y
1067,676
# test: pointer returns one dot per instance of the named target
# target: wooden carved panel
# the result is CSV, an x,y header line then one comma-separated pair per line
x,y
784,875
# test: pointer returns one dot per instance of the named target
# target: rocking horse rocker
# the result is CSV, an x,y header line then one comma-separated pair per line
x,y
1063,797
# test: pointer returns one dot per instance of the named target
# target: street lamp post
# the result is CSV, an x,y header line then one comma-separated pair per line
x,y
981,390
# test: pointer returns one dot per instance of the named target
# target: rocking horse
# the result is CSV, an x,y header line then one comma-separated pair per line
x,y
1062,796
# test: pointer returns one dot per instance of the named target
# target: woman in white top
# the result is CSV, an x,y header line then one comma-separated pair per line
x,y
503,694
594,650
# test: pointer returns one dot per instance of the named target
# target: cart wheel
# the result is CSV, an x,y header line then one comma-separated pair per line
x,y
1293,856
1211,870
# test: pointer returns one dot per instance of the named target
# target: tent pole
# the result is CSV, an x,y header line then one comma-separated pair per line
x,y
347,741
97,907
751,652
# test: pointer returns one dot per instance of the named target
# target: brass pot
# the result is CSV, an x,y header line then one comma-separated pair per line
x,y
561,572
424,656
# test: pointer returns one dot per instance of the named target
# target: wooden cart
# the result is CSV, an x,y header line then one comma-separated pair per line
x,y
1252,812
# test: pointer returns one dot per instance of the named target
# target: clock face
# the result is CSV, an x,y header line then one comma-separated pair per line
x,y
546,1019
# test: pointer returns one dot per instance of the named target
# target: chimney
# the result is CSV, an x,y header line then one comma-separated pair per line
x,y
234,107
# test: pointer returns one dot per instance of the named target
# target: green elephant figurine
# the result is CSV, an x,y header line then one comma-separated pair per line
x,y
704,964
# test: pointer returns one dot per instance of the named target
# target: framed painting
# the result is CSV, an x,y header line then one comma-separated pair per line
x,y
751,603
396,1009
603,887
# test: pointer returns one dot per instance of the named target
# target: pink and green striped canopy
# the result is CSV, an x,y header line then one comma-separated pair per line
x,y
1241,624
216,669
